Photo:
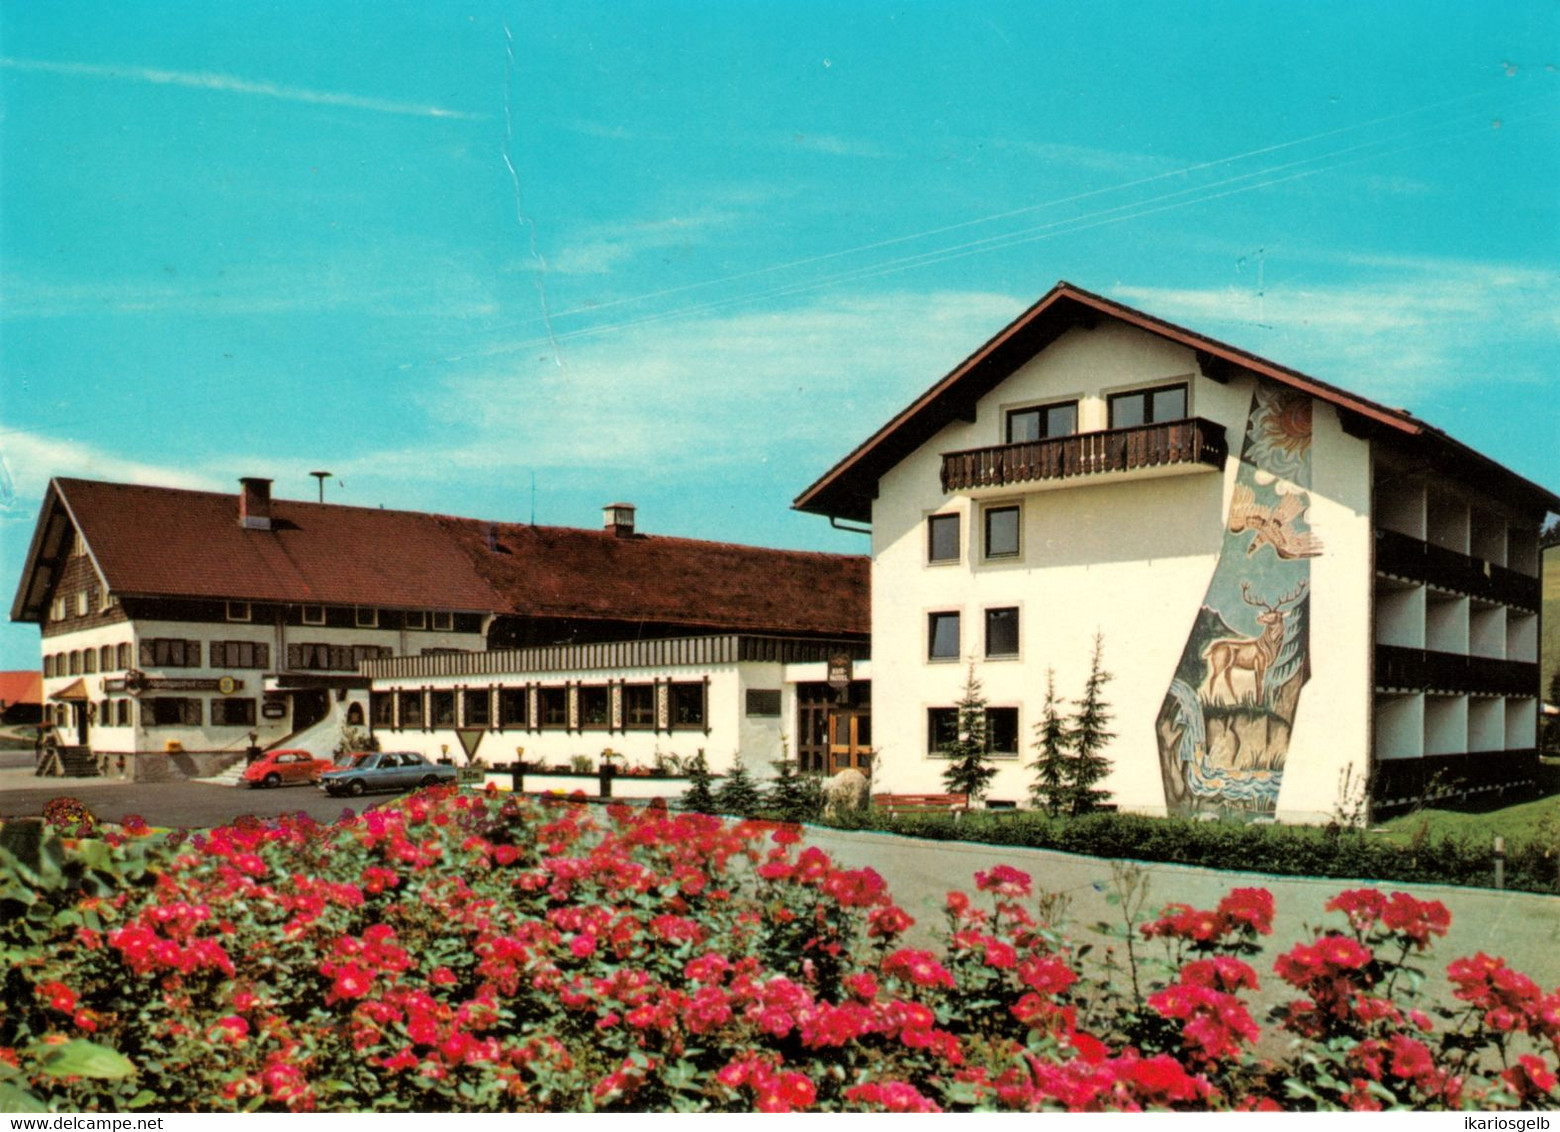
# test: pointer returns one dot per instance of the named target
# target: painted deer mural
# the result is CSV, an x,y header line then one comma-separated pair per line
x,y
1250,654
1222,750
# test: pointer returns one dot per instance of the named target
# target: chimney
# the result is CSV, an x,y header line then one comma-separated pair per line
x,y
254,503
618,519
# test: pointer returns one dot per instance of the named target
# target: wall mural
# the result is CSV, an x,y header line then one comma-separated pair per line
x,y
1224,727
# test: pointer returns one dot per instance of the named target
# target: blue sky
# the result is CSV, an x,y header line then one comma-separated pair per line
x,y
689,254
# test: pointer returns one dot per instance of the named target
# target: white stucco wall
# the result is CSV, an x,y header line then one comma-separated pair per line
x,y
1130,559
728,729
210,736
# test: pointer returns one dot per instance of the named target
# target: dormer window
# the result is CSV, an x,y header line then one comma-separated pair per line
x,y
238,611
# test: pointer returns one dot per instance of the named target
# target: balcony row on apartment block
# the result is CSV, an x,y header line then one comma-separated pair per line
x,y
1457,596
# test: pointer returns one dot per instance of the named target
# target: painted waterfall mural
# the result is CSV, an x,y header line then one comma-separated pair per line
x,y
1224,727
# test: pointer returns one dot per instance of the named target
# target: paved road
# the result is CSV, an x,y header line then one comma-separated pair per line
x,y
189,805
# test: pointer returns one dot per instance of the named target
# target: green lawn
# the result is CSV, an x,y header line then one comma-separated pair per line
x,y
1519,822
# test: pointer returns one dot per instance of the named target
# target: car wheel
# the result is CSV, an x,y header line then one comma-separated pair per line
x,y
355,788
272,781
429,780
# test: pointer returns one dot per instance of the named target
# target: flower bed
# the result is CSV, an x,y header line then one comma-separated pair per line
x,y
461,951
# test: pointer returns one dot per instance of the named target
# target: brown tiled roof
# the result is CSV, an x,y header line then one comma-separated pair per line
x,y
847,489
564,572
167,542
21,688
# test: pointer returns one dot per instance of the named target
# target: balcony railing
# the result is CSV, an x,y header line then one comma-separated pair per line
x,y
1184,442
1401,669
1407,557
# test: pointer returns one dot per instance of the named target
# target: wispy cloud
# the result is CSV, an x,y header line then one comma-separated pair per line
x,y
836,146
609,246
232,84
790,388
28,460
1402,327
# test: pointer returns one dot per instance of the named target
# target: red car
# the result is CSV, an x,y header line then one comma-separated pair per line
x,y
276,767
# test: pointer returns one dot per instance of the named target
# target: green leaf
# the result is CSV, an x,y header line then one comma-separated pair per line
x,y
13,1099
83,1059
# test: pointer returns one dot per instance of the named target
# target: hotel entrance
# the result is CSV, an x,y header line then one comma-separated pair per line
x,y
834,728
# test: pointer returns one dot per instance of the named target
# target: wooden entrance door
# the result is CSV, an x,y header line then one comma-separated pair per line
x,y
850,739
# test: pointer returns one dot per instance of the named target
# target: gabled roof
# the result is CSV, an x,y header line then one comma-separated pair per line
x,y
846,491
21,688
168,542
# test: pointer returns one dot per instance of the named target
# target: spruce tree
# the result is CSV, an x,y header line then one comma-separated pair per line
x,y
1087,736
737,793
969,769
1053,759
699,797
793,796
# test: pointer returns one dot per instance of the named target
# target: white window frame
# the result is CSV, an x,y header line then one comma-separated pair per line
x,y
443,621
358,620
239,611
307,620
416,619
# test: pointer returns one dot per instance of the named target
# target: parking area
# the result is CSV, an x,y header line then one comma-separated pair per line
x,y
176,804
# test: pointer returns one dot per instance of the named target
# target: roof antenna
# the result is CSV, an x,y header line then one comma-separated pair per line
x,y
321,477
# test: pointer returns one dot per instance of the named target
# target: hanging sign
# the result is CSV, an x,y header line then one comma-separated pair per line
x,y
840,669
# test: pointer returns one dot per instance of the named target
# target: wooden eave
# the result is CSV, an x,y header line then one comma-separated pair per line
x,y
846,491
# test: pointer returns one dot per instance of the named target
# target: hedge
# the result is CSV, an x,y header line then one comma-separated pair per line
x,y
1279,850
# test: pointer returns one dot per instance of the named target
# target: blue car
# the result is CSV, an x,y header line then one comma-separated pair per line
x,y
385,770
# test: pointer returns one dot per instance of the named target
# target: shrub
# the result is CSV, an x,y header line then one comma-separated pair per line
x,y
738,793
793,796
699,797
471,952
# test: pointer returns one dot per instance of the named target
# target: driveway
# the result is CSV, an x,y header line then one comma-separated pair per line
x,y
190,805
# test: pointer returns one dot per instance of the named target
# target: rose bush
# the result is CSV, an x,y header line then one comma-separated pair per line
x,y
460,951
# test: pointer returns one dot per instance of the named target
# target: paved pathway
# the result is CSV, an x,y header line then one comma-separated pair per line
x,y
1522,927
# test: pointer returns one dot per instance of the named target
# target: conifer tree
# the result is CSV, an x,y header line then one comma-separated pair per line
x,y
699,797
737,793
792,795
1053,758
969,768
1087,736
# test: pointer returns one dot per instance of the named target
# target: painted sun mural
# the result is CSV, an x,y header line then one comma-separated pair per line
x,y
1223,730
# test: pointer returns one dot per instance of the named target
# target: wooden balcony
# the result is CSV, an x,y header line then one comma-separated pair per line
x,y
1399,669
1415,560
1186,445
